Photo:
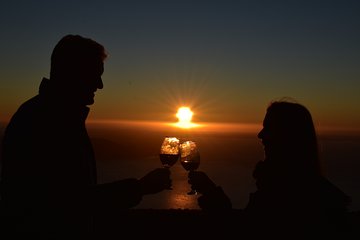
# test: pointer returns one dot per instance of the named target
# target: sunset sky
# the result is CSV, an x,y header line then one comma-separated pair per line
x,y
225,59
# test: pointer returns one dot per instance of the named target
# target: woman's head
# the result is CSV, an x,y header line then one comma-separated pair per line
x,y
289,135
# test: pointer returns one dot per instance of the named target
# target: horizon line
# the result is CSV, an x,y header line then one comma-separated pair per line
x,y
218,126
236,127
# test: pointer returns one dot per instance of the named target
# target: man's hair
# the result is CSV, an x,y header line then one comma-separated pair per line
x,y
74,53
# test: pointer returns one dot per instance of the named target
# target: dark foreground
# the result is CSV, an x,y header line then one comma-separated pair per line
x,y
198,224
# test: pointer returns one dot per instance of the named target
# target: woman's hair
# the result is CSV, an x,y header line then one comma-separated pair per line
x,y
295,125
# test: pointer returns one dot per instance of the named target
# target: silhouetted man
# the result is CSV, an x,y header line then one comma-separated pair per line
x,y
49,174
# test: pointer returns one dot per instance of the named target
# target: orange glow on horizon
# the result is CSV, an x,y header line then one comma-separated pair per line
x,y
205,127
215,127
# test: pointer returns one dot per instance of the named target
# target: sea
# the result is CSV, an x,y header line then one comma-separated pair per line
x,y
228,154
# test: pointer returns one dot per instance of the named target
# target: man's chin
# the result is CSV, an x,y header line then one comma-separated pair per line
x,y
89,102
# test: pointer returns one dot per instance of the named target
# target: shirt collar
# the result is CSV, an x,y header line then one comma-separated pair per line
x,y
55,96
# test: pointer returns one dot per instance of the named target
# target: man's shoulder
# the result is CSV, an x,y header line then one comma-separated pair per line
x,y
30,105
26,110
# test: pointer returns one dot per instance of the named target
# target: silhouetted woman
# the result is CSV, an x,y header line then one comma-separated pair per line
x,y
290,186
289,181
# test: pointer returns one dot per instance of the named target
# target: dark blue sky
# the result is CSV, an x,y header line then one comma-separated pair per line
x,y
226,59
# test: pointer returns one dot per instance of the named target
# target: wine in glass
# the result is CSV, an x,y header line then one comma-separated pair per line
x,y
190,158
169,151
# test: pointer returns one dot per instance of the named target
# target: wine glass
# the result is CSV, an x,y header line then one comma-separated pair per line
x,y
190,158
169,151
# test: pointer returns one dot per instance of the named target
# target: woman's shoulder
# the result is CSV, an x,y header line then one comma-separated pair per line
x,y
331,195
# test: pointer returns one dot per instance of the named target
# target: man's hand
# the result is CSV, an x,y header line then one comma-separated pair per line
x,y
155,181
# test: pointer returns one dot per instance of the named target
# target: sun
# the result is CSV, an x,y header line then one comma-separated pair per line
x,y
184,114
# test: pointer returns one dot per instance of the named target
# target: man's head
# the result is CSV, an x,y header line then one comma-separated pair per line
x,y
77,64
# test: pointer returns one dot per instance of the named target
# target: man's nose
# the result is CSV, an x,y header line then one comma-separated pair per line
x,y
261,134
